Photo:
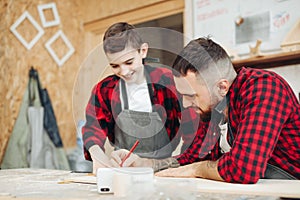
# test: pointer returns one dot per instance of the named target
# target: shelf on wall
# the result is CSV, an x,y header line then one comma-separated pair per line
x,y
269,61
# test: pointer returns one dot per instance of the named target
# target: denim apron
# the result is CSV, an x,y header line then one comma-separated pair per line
x,y
147,127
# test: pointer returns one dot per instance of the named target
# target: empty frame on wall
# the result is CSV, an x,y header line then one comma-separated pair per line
x,y
45,23
51,6
48,44
23,17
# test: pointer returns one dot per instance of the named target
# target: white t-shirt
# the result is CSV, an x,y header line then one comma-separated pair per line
x,y
138,97
225,147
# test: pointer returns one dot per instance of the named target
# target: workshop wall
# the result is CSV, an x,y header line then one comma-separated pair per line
x,y
16,59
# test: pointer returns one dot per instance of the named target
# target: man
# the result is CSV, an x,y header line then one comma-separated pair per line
x,y
250,127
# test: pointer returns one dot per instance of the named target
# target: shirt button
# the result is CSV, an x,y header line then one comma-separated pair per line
x,y
209,152
214,134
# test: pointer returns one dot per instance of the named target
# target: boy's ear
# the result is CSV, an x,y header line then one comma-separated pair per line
x,y
144,50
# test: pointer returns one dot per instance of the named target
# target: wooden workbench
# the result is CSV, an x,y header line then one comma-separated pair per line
x,y
21,184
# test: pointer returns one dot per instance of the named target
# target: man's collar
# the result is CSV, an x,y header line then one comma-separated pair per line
x,y
221,105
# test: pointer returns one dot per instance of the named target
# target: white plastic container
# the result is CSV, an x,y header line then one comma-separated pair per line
x,y
120,180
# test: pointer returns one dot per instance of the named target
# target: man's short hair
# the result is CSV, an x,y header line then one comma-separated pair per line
x,y
200,54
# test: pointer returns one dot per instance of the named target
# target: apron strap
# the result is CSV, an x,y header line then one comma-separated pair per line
x,y
149,84
124,94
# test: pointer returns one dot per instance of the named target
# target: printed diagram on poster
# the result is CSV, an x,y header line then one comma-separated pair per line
x,y
23,17
240,24
51,6
48,44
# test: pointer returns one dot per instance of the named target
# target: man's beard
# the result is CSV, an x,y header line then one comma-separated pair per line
x,y
205,116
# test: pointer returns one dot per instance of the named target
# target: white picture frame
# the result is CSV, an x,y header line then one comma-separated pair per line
x,y
46,23
61,61
40,33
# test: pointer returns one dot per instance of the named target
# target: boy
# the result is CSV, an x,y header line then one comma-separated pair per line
x,y
138,102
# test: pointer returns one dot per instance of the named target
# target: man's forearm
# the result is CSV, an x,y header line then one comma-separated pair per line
x,y
160,164
208,169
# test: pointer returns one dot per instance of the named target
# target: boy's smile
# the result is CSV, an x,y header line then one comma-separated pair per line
x,y
128,64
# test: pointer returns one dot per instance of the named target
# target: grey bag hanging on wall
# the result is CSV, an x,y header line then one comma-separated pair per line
x,y
35,115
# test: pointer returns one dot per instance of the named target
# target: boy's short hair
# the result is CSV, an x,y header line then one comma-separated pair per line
x,y
119,36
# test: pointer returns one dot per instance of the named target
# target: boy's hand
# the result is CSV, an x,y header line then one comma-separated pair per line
x,y
100,160
132,161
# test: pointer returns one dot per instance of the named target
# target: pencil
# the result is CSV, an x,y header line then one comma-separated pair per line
x,y
130,151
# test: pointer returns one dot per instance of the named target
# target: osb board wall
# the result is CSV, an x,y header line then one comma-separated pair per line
x,y
15,61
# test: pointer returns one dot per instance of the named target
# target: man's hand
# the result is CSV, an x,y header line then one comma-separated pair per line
x,y
100,160
205,169
132,161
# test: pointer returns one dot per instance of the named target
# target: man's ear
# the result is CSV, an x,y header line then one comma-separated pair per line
x,y
223,87
144,50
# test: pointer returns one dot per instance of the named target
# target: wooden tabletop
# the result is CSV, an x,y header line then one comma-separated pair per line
x,y
57,184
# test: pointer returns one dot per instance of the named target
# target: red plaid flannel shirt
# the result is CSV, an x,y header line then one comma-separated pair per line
x,y
104,106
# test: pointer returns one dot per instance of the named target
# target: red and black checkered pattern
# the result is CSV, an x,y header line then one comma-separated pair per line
x,y
104,106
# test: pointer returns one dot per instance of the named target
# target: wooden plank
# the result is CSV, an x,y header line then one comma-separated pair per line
x,y
154,11
268,61
264,187
95,9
